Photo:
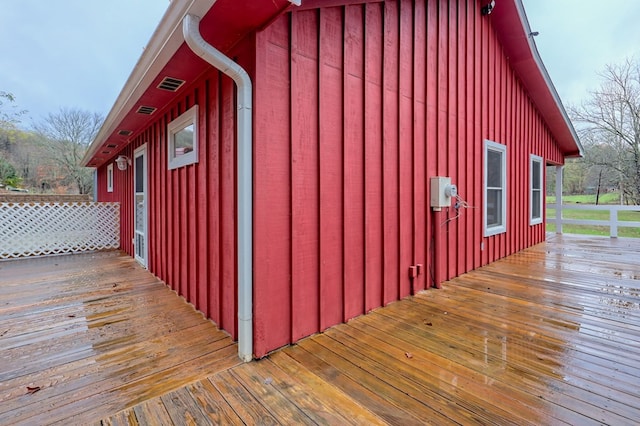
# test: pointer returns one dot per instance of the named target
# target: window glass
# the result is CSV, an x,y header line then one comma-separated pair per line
x,y
183,139
536,212
536,180
139,174
494,169
536,190
110,178
494,207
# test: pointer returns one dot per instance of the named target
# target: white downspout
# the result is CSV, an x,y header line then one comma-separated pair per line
x,y
191,32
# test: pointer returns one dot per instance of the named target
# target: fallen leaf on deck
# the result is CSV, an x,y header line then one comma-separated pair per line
x,y
71,316
32,390
4,332
428,323
408,355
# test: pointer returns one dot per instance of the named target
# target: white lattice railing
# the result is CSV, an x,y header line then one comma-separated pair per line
x,y
35,229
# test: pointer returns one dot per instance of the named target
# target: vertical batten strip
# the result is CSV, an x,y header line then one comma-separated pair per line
x,y
420,207
228,209
372,160
331,166
405,145
272,232
390,152
353,155
304,174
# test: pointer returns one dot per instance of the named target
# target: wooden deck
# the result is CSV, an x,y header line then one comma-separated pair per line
x,y
85,336
550,335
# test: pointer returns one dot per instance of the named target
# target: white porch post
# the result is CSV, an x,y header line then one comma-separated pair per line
x,y
559,199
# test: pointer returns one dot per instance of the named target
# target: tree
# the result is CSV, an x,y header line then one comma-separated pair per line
x,y
67,135
8,174
6,170
610,127
9,113
25,155
575,176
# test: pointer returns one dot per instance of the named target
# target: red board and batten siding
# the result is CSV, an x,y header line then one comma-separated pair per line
x,y
192,209
356,107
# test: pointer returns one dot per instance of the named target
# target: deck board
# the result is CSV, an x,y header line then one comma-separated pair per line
x,y
550,335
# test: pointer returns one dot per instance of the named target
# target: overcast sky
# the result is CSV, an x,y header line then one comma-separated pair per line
x,y
79,53
72,53
578,38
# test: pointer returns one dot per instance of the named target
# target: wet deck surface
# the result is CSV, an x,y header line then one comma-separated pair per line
x,y
85,336
550,335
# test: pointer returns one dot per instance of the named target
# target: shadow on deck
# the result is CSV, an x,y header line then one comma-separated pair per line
x,y
550,335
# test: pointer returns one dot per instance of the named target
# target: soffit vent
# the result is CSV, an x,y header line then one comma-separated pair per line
x,y
125,132
106,152
112,145
171,84
147,110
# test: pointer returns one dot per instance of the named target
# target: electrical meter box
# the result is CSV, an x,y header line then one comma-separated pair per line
x,y
441,192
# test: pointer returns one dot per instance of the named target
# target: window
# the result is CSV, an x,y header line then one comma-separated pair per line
x,y
536,175
110,178
495,188
183,139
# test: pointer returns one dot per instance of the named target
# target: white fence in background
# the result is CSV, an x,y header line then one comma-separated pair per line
x,y
613,223
36,229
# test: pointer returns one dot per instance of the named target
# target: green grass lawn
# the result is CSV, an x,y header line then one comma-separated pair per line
x,y
606,198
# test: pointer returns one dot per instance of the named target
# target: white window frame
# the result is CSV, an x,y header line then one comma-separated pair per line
x,y
189,117
110,178
502,149
536,159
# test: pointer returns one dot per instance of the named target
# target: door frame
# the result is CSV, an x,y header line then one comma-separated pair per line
x,y
141,152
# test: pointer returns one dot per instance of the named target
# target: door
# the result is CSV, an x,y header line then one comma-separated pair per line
x,y
140,239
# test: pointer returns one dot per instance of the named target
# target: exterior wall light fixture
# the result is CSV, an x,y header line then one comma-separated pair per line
x,y
123,162
488,8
